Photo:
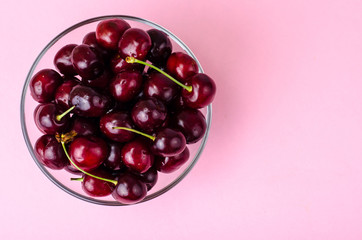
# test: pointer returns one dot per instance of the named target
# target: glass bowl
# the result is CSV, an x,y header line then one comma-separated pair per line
x,y
61,178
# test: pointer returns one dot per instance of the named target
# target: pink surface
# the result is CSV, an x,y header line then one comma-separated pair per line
x,y
284,156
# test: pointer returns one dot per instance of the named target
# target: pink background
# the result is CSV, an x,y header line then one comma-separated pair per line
x,y
284,156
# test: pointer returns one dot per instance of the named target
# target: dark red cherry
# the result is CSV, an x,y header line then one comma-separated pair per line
x,y
171,164
45,118
84,126
168,142
181,66
90,40
134,43
71,169
86,62
114,160
88,152
88,102
100,82
161,47
117,119
63,91
192,124
149,114
177,104
119,64
44,84
161,87
126,85
137,156
50,152
63,61
203,91
109,32
95,187
149,178
129,189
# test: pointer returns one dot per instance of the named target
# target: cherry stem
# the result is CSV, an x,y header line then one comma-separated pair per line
x,y
93,176
138,132
60,116
134,60
77,179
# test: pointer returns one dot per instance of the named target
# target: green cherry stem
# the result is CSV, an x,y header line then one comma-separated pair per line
x,y
134,60
138,132
77,179
60,116
104,179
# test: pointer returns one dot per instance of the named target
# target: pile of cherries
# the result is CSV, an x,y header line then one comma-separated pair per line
x,y
121,108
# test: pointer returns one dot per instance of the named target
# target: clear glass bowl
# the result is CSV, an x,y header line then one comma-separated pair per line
x,y
61,178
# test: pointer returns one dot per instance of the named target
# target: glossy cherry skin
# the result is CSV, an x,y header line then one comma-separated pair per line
x,y
95,187
181,66
114,159
44,84
63,61
149,178
84,126
203,91
91,40
126,85
129,189
171,164
86,62
137,156
62,93
89,152
45,118
161,87
119,64
100,82
177,104
168,143
117,119
191,122
50,152
149,114
134,43
161,47
109,32
88,102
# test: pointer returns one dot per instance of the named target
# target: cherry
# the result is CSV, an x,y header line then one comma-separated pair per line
x,y
161,47
116,119
45,116
137,156
84,126
114,160
100,82
62,93
44,84
149,114
86,62
181,66
109,32
50,153
91,40
89,152
88,103
177,104
118,64
159,86
166,142
63,61
97,187
172,164
149,178
192,124
71,169
203,91
126,85
134,43
129,189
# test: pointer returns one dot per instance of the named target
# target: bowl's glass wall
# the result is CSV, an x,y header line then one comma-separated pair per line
x,y
45,60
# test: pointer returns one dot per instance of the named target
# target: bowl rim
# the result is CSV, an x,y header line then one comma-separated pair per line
x,y
28,142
